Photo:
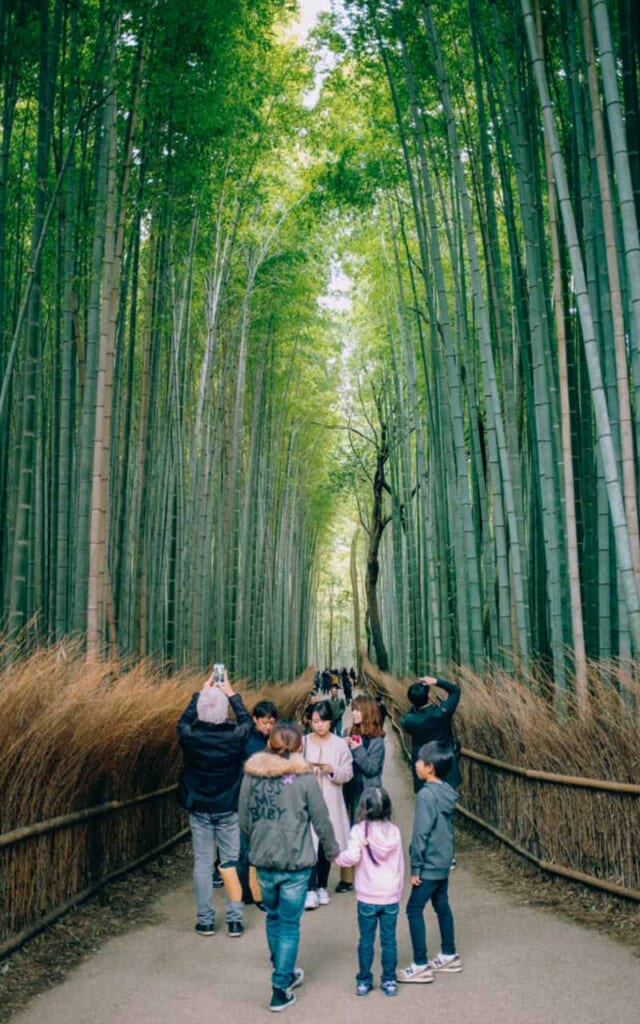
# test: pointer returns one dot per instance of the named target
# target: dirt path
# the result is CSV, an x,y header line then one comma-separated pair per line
x,y
521,965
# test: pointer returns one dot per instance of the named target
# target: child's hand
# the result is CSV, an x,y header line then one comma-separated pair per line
x,y
415,880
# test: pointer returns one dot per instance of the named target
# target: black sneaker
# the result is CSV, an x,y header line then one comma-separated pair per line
x,y
235,929
217,880
344,887
205,929
260,906
280,999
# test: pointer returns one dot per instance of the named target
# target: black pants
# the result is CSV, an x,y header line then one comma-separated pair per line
x,y
319,877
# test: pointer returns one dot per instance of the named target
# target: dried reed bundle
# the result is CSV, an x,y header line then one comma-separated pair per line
x,y
74,735
511,720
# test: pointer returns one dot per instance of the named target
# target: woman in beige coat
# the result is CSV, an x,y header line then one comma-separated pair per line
x,y
331,760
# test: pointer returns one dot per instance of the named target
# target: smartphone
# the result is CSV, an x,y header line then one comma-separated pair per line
x,y
218,673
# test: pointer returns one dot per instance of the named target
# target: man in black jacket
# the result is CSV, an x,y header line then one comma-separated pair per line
x,y
214,750
429,721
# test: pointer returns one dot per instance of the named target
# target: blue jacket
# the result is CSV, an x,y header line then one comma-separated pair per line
x,y
256,743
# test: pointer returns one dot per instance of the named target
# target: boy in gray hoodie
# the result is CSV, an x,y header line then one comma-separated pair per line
x,y
431,853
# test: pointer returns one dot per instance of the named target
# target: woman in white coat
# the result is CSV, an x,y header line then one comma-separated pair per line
x,y
332,764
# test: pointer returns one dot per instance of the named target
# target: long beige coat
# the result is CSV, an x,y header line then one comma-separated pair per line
x,y
333,751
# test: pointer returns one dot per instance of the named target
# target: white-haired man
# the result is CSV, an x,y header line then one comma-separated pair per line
x,y
213,748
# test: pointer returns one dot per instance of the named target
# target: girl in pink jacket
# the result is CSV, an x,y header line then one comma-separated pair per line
x,y
375,849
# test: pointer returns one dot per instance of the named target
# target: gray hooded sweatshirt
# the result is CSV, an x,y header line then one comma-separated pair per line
x,y
431,849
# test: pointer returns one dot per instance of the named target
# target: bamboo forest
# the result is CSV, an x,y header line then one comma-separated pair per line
x,y
315,344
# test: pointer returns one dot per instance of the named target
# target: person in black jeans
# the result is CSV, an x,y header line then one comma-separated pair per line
x,y
428,721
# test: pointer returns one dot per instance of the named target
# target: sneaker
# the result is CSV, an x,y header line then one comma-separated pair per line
x,y
446,963
217,880
312,900
323,897
260,906
363,988
205,929
281,999
344,887
419,974
389,988
298,977
235,929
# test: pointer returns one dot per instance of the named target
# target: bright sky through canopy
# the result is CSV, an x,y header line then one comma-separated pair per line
x,y
309,11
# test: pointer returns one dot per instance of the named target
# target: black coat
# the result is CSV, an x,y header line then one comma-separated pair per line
x,y
213,758
434,722
256,743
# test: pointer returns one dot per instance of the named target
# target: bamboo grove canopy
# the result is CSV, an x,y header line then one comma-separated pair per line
x,y
181,416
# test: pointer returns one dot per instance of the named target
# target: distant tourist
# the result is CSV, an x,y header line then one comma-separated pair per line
x,y
429,721
382,706
279,799
347,684
375,848
337,709
214,751
306,716
431,853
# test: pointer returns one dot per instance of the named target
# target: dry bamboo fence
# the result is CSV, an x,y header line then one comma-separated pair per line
x,y
88,768
581,828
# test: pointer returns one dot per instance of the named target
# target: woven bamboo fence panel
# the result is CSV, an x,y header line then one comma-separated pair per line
x,y
580,828
592,831
42,872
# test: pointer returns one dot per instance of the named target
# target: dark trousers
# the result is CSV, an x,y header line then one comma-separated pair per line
x,y
436,890
369,914
319,877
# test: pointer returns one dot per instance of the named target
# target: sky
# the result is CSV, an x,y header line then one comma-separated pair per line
x,y
309,11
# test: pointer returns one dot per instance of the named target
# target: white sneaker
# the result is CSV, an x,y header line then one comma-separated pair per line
x,y
446,963
417,974
323,897
311,900
298,978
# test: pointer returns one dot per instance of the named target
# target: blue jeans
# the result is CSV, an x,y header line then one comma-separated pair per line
x,y
283,894
368,916
207,832
436,890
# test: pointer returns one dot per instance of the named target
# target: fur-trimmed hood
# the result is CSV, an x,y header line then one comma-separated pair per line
x,y
266,764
